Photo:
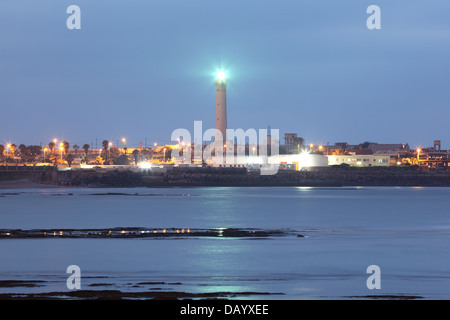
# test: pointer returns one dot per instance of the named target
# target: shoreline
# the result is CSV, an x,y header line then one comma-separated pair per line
x,y
227,177
36,185
25,184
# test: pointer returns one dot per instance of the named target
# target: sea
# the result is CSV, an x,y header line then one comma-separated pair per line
x,y
330,238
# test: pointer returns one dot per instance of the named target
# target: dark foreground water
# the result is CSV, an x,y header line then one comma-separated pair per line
x,y
405,231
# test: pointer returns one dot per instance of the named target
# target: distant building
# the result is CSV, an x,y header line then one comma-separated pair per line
x,y
433,158
360,160
301,161
298,161
292,142
388,148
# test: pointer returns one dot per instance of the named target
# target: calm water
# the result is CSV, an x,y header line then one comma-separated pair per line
x,y
405,231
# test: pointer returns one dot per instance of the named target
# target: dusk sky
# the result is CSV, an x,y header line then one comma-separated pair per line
x,y
140,69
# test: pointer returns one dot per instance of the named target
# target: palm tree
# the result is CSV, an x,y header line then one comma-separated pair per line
x,y
65,146
34,150
13,149
51,146
105,153
70,159
86,149
136,156
23,150
2,149
105,144
76,147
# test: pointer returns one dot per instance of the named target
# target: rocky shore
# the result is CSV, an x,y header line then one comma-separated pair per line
x,y
191,177
141,233
155,294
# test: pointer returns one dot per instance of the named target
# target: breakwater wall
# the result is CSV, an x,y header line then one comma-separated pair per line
x,y
177,176
35,176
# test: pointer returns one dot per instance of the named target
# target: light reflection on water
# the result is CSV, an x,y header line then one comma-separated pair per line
x,y
403,230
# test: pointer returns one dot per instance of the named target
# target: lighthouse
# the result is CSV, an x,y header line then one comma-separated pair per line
x,y
221,104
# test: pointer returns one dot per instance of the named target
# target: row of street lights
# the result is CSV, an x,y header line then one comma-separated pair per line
x,y
61,148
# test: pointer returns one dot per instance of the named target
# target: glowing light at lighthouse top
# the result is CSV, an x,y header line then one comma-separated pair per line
x,y
221,75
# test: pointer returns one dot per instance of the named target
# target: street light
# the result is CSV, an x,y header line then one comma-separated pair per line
x,y
45,149
124,144
418,154
8,147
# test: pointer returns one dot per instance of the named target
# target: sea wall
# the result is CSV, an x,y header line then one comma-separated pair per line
x,y
329,176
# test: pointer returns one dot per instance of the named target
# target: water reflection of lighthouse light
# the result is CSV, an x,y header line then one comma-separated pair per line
x,y
220,232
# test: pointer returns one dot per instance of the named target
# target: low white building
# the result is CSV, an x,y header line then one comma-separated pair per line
x,y
297,162
366,160
301,161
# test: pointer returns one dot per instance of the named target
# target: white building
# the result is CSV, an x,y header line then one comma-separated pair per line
x,y
301,161
366,160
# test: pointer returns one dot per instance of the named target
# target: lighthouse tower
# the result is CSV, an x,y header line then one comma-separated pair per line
x,y
221,104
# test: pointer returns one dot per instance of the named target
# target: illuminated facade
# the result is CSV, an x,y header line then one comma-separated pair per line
x,y
433,158
360,160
